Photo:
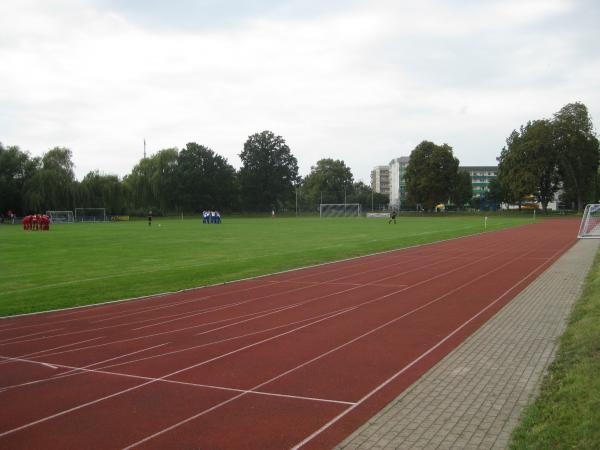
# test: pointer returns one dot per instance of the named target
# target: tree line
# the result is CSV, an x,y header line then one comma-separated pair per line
x,y
541,158
180,180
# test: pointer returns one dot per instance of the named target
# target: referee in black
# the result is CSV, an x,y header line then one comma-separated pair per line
x,y
150,218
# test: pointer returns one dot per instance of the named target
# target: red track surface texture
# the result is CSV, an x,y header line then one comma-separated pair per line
x,y
294,359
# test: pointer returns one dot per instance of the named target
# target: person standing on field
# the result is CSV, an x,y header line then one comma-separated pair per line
x,y
392,217
150,218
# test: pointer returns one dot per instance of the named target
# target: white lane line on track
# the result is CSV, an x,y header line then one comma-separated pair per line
x,y
29,361
55,348
423,355
195,347
186,383
178,424
223,356
154,380
15,339
73,371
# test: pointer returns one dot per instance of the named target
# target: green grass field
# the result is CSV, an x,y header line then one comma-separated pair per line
x,y
79,264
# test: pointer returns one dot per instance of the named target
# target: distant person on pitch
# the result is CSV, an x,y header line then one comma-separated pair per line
x,y
150,218
392,217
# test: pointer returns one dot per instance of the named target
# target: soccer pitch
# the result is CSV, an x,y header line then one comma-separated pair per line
x,y
80,264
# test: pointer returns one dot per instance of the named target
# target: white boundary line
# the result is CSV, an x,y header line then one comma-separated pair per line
x,y
162,294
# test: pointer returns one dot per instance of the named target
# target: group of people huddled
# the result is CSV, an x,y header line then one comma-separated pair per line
x,y
211,217
36,222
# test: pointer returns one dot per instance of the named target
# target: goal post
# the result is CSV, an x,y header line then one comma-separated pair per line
x,y
60,216
90,214
339,210
590,223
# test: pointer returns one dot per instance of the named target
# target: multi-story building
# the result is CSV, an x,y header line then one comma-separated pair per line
x,y
397,182
380,179
480,178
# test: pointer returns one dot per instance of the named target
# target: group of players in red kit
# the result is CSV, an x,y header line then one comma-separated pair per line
x,y
37,222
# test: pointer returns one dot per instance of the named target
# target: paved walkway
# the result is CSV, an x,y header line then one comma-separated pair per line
x,y
473,398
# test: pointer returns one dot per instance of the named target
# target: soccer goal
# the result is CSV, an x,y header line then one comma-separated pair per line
x,y
590,223
339,210
60,216
90,214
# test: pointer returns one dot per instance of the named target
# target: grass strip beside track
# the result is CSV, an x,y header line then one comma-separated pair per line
x,y
567,412
81,264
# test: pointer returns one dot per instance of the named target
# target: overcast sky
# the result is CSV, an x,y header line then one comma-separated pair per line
x,y
362,81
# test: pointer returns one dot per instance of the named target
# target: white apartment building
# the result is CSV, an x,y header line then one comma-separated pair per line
x,y
380,179
397,182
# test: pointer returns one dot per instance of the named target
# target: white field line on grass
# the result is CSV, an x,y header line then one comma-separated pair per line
x,y
415,269
423,355
237,351
77,309
206,411
90,330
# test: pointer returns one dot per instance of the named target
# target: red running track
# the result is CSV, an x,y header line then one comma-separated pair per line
x,y
300,358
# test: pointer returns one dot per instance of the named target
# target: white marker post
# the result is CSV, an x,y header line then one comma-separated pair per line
x,y
485,223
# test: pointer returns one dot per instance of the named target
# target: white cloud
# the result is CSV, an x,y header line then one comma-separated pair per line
x,y
364,83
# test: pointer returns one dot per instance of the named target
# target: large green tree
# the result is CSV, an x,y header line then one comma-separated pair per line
x,y
269,172
139,186
329,180
578,152
431,174
528,165
16,167
52,186
98,190
461,191
206,179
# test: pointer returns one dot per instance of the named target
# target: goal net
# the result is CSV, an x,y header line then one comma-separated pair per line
x,y
339,210
60,216
90,214
590,222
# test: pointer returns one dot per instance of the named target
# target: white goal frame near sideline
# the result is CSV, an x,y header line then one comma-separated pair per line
x,y
60,216
590,222
339,210
90,214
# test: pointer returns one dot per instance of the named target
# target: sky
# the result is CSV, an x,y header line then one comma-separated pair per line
x,y
360,81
